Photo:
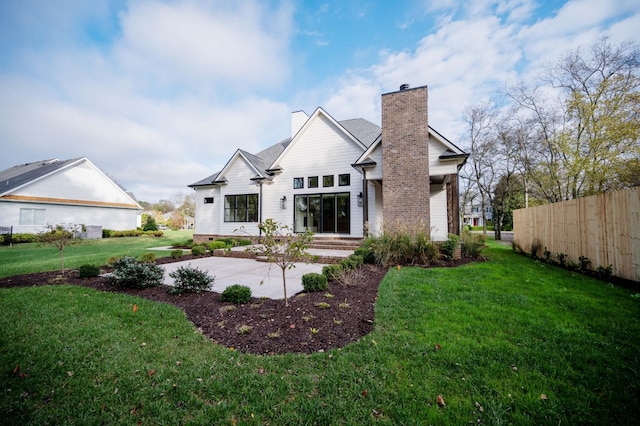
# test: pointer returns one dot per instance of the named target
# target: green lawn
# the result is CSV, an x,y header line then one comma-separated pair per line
x,y
26,258
520,342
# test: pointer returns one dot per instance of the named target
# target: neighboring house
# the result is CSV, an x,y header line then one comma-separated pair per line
x,y
56,191
473,214
341,178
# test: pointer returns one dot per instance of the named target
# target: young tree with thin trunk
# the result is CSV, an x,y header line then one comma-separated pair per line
x,y
61,236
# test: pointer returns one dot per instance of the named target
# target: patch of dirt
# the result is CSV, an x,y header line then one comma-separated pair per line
x,y
263,326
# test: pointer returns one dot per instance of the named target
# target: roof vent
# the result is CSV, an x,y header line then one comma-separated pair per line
x,y
404,86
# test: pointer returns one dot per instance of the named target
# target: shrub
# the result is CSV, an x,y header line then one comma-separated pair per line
x,y
151,225
88,271
198,250
423,251
23,238
585,263
354,261
128,273
332,272
112,260
244,242
536,246
562,259
176,254
238,294
314,282
215,245
190,280
148,258
449,247
229,242
472,244
547,255
366,253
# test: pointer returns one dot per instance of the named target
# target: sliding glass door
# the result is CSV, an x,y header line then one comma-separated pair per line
x,y
322,213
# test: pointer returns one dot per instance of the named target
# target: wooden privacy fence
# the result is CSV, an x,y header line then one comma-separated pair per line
x,y
605,228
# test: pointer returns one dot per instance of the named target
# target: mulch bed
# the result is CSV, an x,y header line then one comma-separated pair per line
x,y
270,327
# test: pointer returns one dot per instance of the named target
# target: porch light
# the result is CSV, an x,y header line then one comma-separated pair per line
x,y
283,202
360,199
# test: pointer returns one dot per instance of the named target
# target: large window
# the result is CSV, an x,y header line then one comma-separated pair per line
x,y
241,208
32,216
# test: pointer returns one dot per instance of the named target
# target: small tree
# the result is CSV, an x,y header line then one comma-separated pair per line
x,y
150,225
61,236
281,246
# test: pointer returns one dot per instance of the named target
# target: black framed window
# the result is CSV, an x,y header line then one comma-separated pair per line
x,y
327,180
241,208
298,183
312,182
208,200
344,180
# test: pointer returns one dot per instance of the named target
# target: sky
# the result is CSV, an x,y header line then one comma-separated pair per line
x,y
160,94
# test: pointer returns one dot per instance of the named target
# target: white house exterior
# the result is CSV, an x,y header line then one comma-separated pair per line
x,y
69,191
326,178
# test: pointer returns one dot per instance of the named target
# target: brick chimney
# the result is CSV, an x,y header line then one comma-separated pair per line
x,y
405,160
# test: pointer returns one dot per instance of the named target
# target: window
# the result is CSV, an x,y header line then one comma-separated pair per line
x,y
298,183
32,216
327,180
344,180
313,182
208,200
241,208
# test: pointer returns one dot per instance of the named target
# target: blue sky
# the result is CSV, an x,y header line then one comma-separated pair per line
x,y
159,94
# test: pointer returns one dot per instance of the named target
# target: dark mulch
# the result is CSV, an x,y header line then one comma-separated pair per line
x,y
302,327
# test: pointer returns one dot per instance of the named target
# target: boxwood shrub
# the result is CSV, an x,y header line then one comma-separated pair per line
x,y
88,271
314,282
129,273
332,272
190,280
236,293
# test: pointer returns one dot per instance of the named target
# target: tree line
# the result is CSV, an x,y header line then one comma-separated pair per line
x,y
572,132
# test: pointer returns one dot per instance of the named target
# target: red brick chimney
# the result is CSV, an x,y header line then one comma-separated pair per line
x,y
405,160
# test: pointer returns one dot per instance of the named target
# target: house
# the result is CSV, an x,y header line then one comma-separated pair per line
x,y
472,215
341,178
57,191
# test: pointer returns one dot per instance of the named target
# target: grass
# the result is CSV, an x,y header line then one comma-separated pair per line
x,y
31,257
527,342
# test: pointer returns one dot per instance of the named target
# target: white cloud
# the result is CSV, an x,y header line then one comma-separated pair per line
x,y
238,42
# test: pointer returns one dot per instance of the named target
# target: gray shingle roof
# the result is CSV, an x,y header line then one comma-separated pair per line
x,y
363,130
17,176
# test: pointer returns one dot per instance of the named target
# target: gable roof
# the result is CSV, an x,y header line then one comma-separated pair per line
x,y
365,132
16,177
23,174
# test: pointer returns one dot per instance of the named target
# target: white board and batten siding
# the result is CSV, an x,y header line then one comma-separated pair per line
x,y
321,149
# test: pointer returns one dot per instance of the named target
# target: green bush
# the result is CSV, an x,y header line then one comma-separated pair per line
x,y
23,238
108,233
156,233
314,282
198,250
423,251
190,280
402,248
366,253
354,261
148,257
472,244
151,225
332,272
238,294
128,273
230,242
216,245
88,271
244,242
449,247
176,254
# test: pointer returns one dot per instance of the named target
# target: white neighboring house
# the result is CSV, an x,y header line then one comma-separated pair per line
x,y
56,191
328,177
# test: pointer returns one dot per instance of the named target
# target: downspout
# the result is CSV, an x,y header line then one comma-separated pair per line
x,y
260,208
365,200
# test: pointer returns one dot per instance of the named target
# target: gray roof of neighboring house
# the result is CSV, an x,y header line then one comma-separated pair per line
x,y
361,129
22,174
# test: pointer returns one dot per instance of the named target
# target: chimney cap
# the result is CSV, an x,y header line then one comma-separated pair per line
x,y
404,86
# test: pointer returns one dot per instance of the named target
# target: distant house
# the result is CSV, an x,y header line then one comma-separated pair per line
x,y
56,191
341,178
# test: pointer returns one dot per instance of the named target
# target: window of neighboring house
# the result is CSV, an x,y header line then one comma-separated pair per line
x,y
32,216
327,180
313,182
344,180
241,208
298,183
208,200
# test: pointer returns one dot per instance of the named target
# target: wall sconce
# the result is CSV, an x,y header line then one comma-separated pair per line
x,y
360,199
283,202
